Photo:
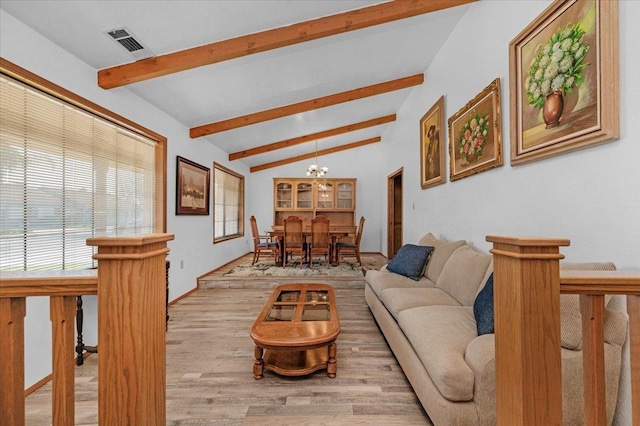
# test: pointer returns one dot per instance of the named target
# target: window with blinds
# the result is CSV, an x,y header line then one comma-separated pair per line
x,y
228,204
66,175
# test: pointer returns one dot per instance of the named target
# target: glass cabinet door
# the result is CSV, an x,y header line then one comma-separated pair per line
x,y
345,195
324,196
304,195
284,195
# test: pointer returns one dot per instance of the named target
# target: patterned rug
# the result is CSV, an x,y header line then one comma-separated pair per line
x,y
348,267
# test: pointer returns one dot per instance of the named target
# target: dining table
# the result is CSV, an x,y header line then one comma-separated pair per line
x,y
335,232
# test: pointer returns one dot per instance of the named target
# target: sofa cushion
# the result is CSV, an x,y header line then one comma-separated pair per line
x,y
442,250
570,316
463,273
483,309
382,279
399,299
410,261
440,335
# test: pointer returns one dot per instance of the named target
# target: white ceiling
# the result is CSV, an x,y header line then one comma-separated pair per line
x,y
256,82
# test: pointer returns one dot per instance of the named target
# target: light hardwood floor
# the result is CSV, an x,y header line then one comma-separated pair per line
x,y
210,380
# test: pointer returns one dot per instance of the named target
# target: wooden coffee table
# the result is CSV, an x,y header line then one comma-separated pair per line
x,y
297,330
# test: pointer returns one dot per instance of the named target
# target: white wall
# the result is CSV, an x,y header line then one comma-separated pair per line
x,y
591,197
193,234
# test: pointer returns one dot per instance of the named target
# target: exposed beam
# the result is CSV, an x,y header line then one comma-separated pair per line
x,y
237,47
313,154
314,136
324,101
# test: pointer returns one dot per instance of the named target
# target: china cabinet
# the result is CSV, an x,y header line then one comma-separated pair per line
x,y
309,197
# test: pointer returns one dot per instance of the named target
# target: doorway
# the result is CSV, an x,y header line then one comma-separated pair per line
x,y
394,212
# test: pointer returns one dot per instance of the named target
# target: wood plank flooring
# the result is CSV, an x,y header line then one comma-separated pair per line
x,y
210,380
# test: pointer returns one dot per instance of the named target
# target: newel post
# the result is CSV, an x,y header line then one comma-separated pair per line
x,y
131,329
527,327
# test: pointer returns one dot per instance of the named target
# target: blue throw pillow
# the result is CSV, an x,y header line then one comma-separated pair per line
x,y
410,261
483,308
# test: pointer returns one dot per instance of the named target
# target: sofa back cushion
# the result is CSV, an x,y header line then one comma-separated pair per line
x,y
442,250
463,273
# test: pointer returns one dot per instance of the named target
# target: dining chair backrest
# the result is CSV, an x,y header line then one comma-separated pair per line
x,y
293,232
359,231
320,232
254,230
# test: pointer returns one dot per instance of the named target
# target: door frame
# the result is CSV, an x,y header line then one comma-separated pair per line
x,y
393,214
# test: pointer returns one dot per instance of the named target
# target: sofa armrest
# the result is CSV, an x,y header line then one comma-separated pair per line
x,y
481,358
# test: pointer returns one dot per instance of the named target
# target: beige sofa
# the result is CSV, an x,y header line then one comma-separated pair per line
x,y
430,326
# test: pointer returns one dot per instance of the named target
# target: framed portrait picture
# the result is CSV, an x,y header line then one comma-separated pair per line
x,y
475,134
432,146
563,71
192,188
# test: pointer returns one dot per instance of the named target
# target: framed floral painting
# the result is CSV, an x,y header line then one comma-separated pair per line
x,y
192,188
564,80
475,134
432,146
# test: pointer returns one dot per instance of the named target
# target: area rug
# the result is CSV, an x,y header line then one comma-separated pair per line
x,y
348,267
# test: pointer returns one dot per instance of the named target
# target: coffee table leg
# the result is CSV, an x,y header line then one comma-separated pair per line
x,y
332,365
258,364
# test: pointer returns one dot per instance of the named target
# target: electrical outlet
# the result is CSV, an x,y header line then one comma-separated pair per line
x,y
182,264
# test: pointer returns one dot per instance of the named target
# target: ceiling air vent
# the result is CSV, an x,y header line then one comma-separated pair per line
x,y
126,39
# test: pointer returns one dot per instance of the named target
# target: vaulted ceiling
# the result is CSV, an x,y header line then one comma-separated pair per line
x,y
262,80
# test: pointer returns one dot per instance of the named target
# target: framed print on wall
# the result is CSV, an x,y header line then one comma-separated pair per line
x,y
563,71
192,188
475,134
432,146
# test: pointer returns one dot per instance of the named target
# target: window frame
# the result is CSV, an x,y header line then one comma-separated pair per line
x,y
27,77
240,233
38,83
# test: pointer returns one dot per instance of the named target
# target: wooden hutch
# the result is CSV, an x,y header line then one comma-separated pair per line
x,y
306,198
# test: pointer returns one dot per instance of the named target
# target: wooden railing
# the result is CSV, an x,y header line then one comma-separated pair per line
x,y
527,288
130,284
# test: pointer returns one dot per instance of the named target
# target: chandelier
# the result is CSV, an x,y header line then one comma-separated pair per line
x,y
314,170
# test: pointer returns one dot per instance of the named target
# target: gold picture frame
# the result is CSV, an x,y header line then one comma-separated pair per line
x,y
432,146
475,134
563,71
192,188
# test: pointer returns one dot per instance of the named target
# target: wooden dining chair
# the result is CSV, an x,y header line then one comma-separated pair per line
x,y
320,239
262,244
293,239
344,248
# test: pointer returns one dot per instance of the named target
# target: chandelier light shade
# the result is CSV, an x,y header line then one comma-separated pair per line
x,y
314,170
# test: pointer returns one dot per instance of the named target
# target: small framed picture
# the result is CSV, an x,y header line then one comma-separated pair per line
x,y
192,188
432,146
475,134
563,72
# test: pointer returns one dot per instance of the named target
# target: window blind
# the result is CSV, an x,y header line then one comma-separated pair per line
x,y
228,204
66,175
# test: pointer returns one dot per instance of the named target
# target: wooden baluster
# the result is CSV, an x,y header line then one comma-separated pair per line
x,y
12,313
527,327
131,329
62,313
166,325
633,309
595,404
80,341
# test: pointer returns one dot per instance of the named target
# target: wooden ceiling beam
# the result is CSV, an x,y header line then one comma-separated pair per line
x,y
304,106
314,154
237,47
312,137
